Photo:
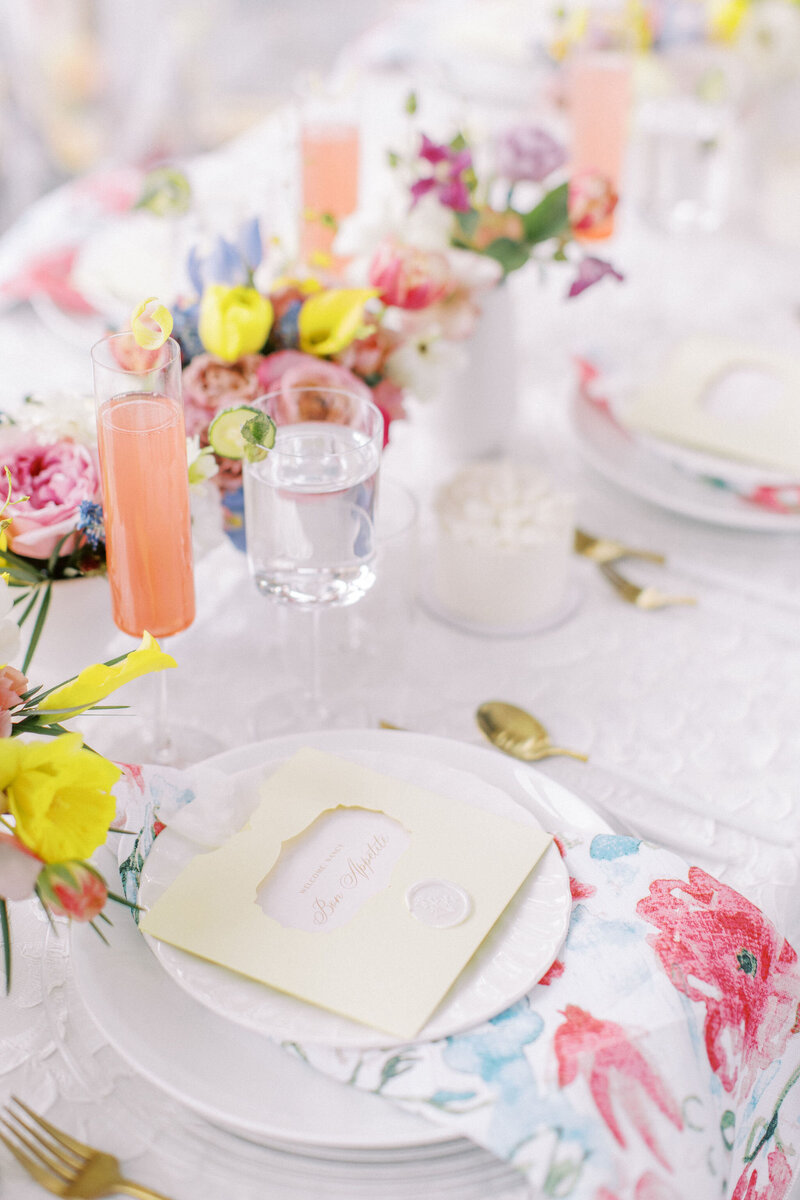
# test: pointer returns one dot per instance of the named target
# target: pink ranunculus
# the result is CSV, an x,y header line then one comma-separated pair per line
x,y
591,201
367,355
614,1069
209,385
719,950
407,276
322,382
57,477
12,684
73,889
19,868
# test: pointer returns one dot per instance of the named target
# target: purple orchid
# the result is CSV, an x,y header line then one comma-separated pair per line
x,y
527,152
447,179
591,271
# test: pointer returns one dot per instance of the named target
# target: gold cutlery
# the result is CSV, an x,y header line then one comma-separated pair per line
x,y
63,1165
648,598
609,550
518,733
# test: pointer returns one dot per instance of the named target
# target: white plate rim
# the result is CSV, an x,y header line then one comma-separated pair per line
x,y
555,806
528,920
619,458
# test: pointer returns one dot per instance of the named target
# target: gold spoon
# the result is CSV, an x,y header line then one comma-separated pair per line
x,y
518,733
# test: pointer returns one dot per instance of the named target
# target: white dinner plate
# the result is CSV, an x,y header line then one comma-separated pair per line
x,y
628,462
520,948
235,1077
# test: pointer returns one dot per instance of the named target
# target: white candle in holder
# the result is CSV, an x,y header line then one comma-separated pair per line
x,y
503,542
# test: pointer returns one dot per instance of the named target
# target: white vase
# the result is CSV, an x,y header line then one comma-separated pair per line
x,y
78,630
475,414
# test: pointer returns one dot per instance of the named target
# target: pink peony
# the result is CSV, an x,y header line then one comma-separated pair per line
x,y
56,477
407,276
592,200
210,385
73,889
323,381
19,868
12,684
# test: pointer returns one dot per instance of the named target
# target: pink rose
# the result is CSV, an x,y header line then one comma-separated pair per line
x,y
210,385
367,355
73,889
323,381
591,202
388,397
407,276
12,684
56,477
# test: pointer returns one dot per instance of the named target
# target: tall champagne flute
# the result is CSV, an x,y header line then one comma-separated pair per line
x,y
310,526
142,451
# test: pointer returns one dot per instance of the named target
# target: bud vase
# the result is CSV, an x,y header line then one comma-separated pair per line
x,y
475,413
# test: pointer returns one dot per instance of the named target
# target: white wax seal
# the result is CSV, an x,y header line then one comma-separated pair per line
x,y
438,903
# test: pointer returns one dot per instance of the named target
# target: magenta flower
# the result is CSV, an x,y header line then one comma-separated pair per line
x,y
616,1071
591,271
446,180
528,153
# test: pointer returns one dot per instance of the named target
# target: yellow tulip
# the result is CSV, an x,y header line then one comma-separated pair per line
x,y
59,794
98,681
307,285
234,321
330,321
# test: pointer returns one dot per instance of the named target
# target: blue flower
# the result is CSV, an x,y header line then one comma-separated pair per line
x,y
231,262
90,523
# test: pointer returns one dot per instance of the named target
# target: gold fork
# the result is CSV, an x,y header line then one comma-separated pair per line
x,y
643,597
62,1164
609,550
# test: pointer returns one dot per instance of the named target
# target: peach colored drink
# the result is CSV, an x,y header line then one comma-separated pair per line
x,y
330,181
142,447
600,97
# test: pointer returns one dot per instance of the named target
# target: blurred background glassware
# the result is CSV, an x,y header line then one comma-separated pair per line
x,y
329,143
687,142
599,91
310,524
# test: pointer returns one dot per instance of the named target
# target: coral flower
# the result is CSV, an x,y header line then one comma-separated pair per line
x,y
73,889
592,200
408,277
602,1052
12,684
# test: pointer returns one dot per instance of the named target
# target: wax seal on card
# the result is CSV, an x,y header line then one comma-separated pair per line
x,y
438,903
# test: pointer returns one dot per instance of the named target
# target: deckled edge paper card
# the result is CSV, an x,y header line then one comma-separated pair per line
x,y
350,889
674,403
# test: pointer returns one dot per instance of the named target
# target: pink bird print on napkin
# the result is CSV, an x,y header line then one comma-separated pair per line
x,y
718,949
602,1052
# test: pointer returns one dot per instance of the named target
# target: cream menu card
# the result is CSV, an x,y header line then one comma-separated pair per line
x,y
355,891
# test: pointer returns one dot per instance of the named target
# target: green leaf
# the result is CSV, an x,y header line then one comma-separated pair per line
x,y
393,158
52,561
5,932
468,222
41,617
549,218
411,103
19,570
34,596
124,900
510,254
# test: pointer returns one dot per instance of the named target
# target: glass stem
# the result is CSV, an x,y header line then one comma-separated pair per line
x,y
162,740
315,650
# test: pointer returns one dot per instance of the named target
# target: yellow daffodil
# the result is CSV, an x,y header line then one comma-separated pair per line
x,y
330,321
98,681
726,17
234,321
59,794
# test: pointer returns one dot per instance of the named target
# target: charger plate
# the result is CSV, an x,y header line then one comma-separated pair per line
x,y
236,1077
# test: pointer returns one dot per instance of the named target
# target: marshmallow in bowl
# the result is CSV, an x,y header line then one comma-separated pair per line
x,y
504,536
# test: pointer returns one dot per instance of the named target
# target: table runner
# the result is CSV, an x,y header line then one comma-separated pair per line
x,y
656,1060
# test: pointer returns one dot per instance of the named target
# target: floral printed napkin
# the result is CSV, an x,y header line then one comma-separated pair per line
x,y
658,1059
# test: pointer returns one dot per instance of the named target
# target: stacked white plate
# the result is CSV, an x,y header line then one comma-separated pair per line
x,y
314,1136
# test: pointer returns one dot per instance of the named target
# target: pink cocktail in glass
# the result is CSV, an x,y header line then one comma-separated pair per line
x,y
599,102
329,163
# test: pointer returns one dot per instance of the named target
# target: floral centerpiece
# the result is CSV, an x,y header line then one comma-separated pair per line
x,y
54,528
56,802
